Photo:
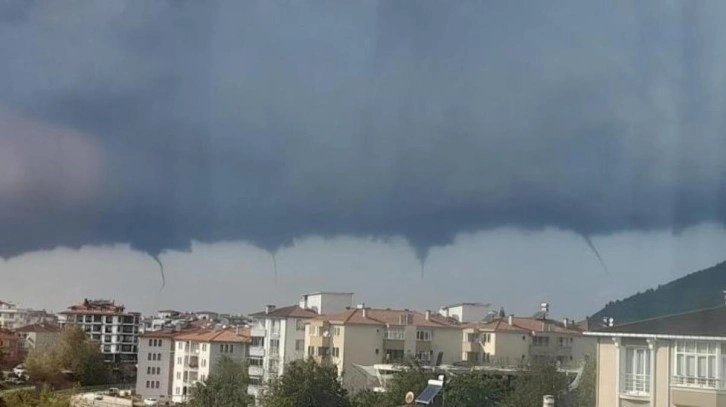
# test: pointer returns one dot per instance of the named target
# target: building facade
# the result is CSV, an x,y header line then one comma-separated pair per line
x,y
368,336
39,336
116,329
278,334
154,374
11,348
672,361
512,341
197,353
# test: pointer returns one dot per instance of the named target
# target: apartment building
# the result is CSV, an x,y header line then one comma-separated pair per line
x,y
116,329
39,336
278,334
466,312
155,368
674,361
196,353
511,341
12,317
11,349
368,336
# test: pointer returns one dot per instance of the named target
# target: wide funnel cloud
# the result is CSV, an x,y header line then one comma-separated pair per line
x,y
157,123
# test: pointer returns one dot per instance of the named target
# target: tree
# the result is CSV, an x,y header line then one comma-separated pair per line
x,y
306,383
475,389
74,352
532,384
368,398
413,378
226,386
32,398
587,387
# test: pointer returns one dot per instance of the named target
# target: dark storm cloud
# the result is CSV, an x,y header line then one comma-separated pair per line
x,y
267,121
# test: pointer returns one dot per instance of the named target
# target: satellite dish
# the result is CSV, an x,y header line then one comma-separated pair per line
x,y
409,397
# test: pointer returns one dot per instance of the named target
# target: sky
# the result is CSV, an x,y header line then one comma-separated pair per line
x,y
497,149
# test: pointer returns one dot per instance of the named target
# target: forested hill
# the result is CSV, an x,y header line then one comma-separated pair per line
x,y
701,289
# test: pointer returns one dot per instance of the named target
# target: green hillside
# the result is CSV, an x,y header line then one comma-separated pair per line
x,y
701,289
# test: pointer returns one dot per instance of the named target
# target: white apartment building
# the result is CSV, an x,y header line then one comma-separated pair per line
x,y
466,312
155,366
278,334
197,352
116,329
12,317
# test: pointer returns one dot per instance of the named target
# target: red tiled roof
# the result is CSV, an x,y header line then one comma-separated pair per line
x,y
522,324
47,328
376,316
291,311
216,335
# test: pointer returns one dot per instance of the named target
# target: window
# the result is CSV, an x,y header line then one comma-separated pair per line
x,y
180,345
695,364
299,344
256,362
336,352
158,356
393,334
148,357
204,347
147,384
258,341
179,360
321,331
426,356
543,341
300,325
148,370
336,331
151,341
274,346
311,351
178,375
423,335
204,362
178,391
636,379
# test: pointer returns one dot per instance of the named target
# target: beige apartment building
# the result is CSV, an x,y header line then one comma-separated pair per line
x,y
510,341
671,361
368,336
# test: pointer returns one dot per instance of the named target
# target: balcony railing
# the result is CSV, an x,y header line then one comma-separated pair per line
x,y
636,384
699,382
394,335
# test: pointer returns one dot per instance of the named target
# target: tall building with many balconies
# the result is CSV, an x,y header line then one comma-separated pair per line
x,y
116,329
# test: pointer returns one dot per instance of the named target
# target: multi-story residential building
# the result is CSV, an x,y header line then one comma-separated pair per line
x,y
367,336
12,317
11,349
466,312
116,329
511,341
154,374
278,334
196,353
672,361
39,336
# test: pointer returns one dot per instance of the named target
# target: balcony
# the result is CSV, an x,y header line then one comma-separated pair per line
x,y
275,333
698,382
256,371
257,351
635,385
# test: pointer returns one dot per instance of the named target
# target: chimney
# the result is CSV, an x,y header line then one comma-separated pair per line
x,y
269,308
428,315
566,322
362,305
510,319
365,312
